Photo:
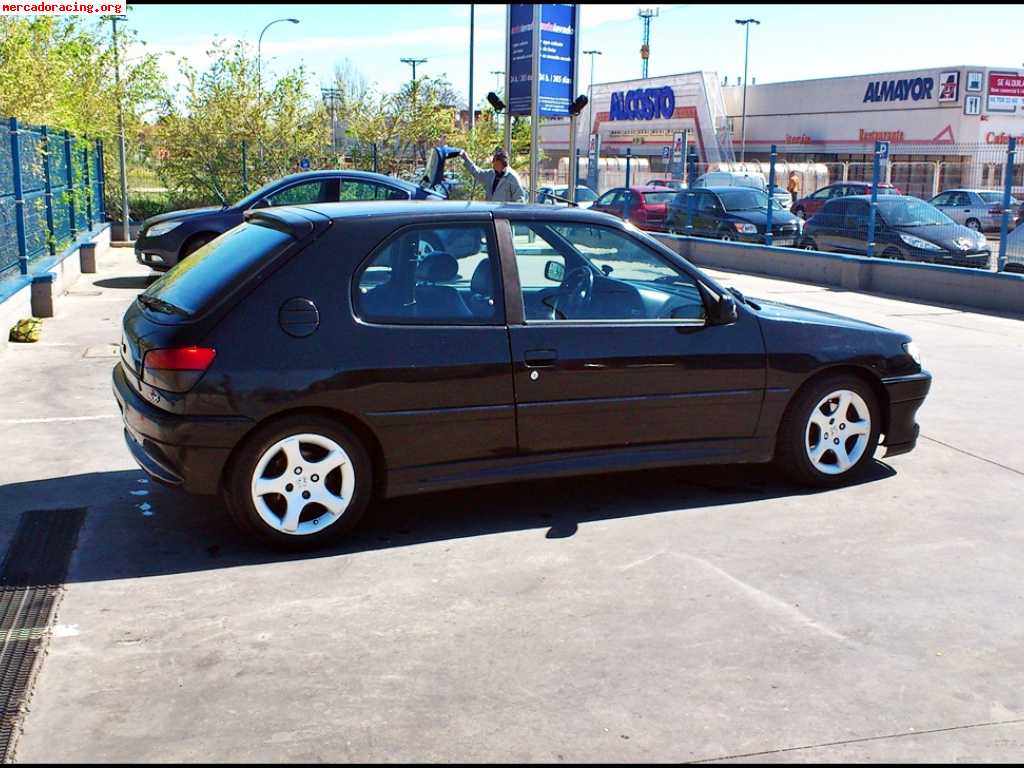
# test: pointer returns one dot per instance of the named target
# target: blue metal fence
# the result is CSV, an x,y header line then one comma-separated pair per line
x,y
51,191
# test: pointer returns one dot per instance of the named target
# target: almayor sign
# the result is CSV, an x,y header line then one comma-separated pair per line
x,y
911,88
643,104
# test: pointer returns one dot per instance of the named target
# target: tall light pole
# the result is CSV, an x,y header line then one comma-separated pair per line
x,y
497,79
746,54
413,63
259,45
259,71
471,66
125,227
331,96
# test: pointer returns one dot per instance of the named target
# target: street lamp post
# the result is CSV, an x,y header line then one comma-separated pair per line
x,y
259,72
471,14
125,226
743,119
497,79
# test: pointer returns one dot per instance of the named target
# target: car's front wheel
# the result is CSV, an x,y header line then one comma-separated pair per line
x,y
299,483
830,431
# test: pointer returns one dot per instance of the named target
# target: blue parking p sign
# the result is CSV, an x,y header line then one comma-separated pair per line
x,y
883,150
304,163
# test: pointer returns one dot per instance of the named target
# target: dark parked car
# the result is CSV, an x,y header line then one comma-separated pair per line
x,y
732,213
805,207
166,239
905,228
644,206
316,356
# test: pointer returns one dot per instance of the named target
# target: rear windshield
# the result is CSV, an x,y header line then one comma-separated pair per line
x,y
659,198
996,197
191,287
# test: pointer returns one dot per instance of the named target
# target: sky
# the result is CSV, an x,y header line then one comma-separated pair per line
x,y
793,42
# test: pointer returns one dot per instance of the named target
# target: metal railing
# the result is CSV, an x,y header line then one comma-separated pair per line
x,y
51,189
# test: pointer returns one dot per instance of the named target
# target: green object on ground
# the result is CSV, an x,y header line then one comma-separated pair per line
x,y
27,330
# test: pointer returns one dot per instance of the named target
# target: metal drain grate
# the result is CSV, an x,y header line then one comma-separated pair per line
x,y
33,571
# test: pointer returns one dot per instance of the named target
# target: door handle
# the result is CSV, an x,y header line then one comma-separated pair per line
x,y
539,358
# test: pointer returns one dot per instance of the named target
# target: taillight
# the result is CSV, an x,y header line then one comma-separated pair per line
x,y
996,211
176,370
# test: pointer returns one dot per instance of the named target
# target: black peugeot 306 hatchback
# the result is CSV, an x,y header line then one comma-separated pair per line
x,y
315,357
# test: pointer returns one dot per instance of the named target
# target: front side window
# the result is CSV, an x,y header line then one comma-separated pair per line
x,y
431,275
943,199
610,198
589,272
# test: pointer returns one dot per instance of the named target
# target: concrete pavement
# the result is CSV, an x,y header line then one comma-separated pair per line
x,y
698,614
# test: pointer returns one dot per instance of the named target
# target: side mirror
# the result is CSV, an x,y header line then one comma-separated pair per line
x,y
554,271
724,311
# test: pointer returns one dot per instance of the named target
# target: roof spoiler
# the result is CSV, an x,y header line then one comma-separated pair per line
x,y
297,222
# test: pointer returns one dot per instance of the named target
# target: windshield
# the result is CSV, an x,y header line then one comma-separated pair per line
x,y
909,212
747,200
197,283
659,198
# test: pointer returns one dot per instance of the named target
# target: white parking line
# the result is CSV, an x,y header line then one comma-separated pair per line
x,y
55,419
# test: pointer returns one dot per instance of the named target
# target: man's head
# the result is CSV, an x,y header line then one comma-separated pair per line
x,y
500,160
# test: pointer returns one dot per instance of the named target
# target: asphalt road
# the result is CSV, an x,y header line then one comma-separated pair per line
x,y
674,615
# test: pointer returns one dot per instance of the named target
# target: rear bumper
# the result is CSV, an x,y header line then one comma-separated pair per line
x,y
186,452
906,394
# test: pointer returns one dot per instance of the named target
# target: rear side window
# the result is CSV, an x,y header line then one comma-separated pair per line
x,y
195,284
659,198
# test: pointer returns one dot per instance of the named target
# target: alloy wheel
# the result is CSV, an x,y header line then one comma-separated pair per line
x,y
837,432
303,484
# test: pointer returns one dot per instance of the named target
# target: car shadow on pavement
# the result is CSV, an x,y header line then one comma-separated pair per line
x,y
136,528
137,283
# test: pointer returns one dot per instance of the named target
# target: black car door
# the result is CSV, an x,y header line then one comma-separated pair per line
x,y
854,236
706,217
611,345
826,226
434,379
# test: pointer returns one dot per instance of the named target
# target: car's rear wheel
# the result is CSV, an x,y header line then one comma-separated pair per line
x,y
299,483
830,431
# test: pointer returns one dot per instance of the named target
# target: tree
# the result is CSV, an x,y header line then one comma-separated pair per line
x,y
225,114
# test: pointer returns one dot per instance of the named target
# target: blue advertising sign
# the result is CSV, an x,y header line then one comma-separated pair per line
x,y
520,66
557,58
557,49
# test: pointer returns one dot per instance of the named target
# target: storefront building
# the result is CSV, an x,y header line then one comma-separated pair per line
x,y
947,126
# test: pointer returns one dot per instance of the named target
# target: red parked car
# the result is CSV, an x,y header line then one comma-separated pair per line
x,y
647,206
805,207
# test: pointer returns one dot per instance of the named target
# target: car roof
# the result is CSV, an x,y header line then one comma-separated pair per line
x,y
727,188
350,174
417,210
650,188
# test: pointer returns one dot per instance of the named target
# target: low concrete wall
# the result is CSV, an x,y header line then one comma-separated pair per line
x,y
959,287
36,295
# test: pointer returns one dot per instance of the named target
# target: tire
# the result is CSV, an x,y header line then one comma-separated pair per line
x,y
973,224
892,254
346,486
809,245
802,433
726,236
194,244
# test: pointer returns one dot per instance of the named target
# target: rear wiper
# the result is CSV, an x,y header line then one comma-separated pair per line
x,y
159,305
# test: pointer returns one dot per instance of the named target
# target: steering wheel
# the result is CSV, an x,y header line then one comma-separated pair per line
x,y
576,292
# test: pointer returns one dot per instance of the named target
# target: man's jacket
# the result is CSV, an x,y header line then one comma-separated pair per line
x,y
509,189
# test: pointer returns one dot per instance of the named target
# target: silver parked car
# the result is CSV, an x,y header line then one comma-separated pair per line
x,y
979,209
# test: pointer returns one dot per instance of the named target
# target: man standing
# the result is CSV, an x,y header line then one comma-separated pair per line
x,y
794,186
501,184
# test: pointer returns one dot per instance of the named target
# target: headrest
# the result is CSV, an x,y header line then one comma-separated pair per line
x,y
483,279
438,267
